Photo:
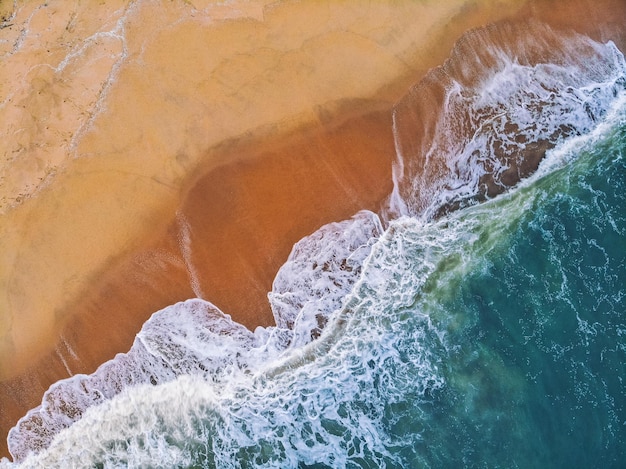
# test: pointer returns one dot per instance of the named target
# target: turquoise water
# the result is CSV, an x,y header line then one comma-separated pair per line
x,y
493,336
536,340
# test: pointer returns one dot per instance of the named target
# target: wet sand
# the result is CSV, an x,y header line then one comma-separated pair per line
x,y
259,207
204,192
173,90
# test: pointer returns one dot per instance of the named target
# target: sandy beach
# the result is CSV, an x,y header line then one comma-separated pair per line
x,y
154,154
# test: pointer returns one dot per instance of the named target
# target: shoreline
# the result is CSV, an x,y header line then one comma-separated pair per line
x,y
258,228
109,197
263,220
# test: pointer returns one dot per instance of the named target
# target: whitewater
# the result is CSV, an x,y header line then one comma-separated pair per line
x,y
478,320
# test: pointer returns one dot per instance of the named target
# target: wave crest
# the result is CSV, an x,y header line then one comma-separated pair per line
x,y
484,120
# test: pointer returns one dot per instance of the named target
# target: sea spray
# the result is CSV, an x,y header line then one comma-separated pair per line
x,y
337,407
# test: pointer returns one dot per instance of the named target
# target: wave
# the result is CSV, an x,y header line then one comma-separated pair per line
x,y
484,120
354,341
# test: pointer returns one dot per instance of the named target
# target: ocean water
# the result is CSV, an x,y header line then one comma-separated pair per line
x,y
479,321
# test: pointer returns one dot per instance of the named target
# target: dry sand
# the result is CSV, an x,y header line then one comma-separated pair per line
x,y
155,152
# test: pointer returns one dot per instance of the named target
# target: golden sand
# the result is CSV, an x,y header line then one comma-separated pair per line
x,y
156,151
110,107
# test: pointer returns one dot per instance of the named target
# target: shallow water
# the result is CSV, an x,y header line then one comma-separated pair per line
x,y
424,337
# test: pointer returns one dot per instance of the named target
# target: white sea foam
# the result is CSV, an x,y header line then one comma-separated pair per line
x,y
324,401
196,338
251,398
490,126
320,272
